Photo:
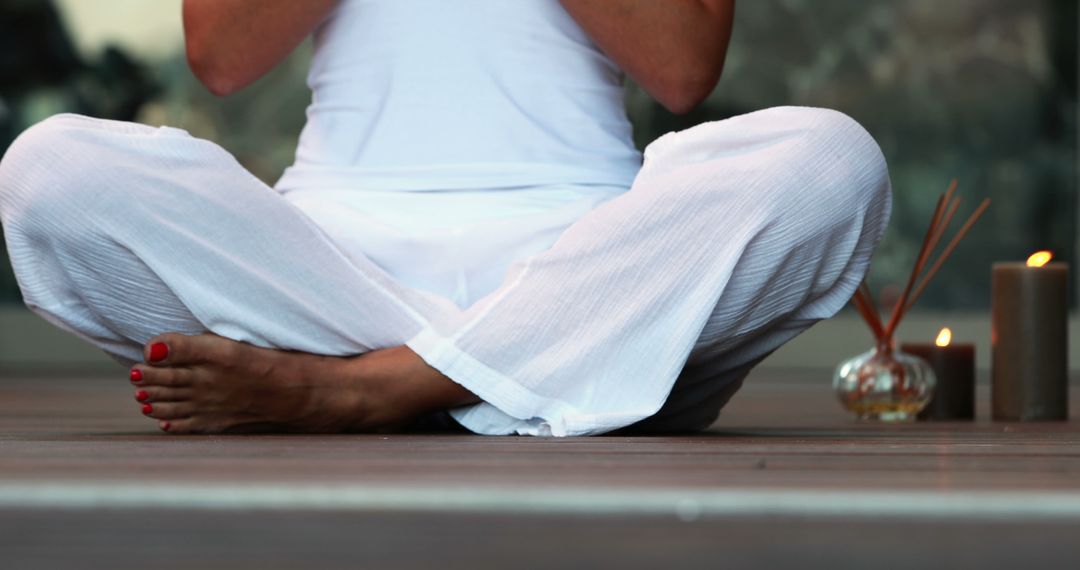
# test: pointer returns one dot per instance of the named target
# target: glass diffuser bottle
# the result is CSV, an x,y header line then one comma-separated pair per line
x,y
885,383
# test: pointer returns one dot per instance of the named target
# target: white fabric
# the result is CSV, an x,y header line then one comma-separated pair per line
x,y
735,236
435,95
458,245
445,140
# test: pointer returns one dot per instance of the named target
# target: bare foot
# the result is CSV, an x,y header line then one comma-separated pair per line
x,y
210,384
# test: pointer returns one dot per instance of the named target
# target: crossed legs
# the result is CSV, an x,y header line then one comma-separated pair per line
x,y
736,236
119,232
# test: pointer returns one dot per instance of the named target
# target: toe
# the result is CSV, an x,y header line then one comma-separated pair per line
x,y
168,410
212,348
144,376
171,349
175,349
150,394
192,425
177,426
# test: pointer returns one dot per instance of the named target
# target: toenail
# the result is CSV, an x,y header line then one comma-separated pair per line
x,y
158,351
165,426
141,395
136,375
147,408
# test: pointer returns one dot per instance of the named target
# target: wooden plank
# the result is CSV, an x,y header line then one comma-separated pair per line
x,y
783,430
185,540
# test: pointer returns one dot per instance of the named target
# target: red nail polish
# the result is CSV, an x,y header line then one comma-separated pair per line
x,y
147,408
165,426
141,395
158,351
136,375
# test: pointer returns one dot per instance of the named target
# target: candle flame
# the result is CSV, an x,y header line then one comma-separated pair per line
x,y
1039,258
944,337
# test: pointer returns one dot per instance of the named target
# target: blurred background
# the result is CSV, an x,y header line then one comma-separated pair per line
x,y
984,91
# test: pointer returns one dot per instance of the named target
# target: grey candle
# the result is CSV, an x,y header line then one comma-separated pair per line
x,y
954,369
1029,337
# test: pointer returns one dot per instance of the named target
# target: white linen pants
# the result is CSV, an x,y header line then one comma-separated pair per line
x,y
735,236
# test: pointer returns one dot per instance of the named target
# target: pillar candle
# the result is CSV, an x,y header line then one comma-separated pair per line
x,y
954,368
1029,336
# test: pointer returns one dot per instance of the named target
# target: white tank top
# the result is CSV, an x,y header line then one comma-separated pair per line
x,y
417,95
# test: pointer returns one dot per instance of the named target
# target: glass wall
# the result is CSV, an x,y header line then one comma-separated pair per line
x,y
983,91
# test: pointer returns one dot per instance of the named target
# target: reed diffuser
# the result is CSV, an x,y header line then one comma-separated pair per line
x,y
886,383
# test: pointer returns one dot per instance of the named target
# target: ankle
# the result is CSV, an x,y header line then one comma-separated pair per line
x,y
398,387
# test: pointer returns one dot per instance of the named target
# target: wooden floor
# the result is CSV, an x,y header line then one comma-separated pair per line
x,y
783,479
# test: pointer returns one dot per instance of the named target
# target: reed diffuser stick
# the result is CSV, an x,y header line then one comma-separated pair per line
x,y
950,211
920,261
944,211
948,251
869,314
875,316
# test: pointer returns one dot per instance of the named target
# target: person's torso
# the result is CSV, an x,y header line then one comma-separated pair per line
x,y
464,94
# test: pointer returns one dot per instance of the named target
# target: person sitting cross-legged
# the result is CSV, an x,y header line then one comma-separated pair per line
x,y
467,230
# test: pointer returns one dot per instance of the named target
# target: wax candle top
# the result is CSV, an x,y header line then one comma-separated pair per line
x,y
1039,258
1023,267
944,337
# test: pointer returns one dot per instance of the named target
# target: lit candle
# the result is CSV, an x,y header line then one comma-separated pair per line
x,y
1029,335
954,368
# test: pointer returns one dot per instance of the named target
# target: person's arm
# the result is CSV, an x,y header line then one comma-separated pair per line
x,y
674,49
231,43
